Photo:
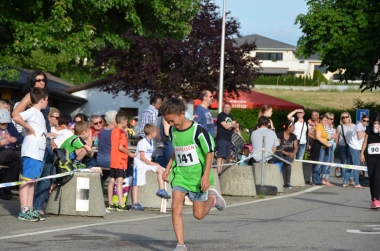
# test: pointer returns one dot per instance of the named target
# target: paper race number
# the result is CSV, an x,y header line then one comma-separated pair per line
x,y
186,155
374,148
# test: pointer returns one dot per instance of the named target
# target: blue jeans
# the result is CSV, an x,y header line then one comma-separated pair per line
x,y
301,151
316,176
42,188
354,159
344,159
329,159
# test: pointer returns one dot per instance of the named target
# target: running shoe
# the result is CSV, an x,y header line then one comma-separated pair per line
x,y
220,203
79,166
137,207
375,204
180,247
288,186
120,208
27,217
111,207
163,194
37,214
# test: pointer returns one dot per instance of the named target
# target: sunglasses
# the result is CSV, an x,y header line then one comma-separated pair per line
x,y
40,80
76,121
345,117
54,117
365,120
97,123
331,119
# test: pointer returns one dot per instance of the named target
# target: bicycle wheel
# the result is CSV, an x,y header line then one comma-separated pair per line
x,y
338,172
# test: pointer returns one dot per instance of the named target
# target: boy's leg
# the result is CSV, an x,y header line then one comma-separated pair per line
x,y
80,153
160,171
24,193
31,195
119,189
111,184
177,205
135,192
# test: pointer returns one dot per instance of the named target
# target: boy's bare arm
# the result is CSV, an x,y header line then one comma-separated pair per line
x,y
205,181
87,148
146,161
18,119
130,154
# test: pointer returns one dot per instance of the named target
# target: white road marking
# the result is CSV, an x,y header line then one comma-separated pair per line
x,y
153,217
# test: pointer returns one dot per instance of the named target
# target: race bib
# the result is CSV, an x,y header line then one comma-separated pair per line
x,y
186,155
374,148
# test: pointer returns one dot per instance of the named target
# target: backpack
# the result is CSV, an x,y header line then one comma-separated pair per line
x,y
62,164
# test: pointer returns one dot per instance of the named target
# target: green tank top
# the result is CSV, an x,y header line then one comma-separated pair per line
x,y
190,148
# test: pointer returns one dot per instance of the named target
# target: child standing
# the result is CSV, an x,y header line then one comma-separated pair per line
x,y
119,162
76,145
143,163
32,151
192,158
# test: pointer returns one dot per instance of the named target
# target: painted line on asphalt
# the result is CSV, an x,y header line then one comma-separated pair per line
x,y
153,217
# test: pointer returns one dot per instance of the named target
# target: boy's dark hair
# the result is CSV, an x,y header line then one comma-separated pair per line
x,y
82,116
31,81
263,121
155,97
80,127
64,119
36,94
149,128
120,116
172,106
245,148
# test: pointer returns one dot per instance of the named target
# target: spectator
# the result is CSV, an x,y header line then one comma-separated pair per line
x,y
267,111
319,149
103,157
32,151
9,156
118,161
225,125
5,105
345,130
143,163
271,141
289,145
354,149
244,157
53,117
332,136
301,130
202,113
76,145
62,130
149,116
372,141
96,127
312,123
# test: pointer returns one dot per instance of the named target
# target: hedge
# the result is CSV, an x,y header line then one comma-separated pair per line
x,y
291,80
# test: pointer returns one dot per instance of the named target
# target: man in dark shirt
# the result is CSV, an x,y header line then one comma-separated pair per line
x,y
225,126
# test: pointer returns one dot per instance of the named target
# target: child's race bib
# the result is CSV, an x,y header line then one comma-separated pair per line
x,y
374,148
186,155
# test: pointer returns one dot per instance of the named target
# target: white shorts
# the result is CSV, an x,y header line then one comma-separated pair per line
x,y
139,173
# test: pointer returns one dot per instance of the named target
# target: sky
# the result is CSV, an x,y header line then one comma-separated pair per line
x,y
269,18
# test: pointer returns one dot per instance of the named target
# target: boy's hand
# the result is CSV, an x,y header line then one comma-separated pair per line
x,y
205,182
132,155
165,175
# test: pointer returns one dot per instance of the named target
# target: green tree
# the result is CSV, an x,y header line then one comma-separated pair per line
x,y
80,28
346,35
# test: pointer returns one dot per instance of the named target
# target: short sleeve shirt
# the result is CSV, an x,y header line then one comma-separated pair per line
x,y
34,145
143,146
346,133
205,119
257,142
223,133
355,142
72,143
119,160
62,136
373,138
287,144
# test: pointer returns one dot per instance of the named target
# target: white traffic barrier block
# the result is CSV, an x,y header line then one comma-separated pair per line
x,y
272,176
238,180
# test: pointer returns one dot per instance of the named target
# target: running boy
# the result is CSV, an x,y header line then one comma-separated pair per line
x,y
192,158
119,162
76,146
32,151
143,163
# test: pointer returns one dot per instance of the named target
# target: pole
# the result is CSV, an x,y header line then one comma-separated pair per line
x,y
221,71
262,163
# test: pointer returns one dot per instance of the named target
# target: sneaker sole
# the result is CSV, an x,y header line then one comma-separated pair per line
x,y
220,208
24,219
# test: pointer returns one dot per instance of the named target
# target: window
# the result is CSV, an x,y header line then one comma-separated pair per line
x,y
322,69
269,56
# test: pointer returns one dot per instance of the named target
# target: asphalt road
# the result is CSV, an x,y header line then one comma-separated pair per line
x,y
312,218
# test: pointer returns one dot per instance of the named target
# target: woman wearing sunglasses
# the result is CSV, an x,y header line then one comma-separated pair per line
x,y
372,140
355,146
345,130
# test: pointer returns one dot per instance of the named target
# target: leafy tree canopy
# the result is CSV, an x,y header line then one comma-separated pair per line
x,y
79,28
346,35
185,66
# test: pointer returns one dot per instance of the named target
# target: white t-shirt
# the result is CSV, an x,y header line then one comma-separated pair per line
x,y
298,129
62,136
355,142
34,145
143,146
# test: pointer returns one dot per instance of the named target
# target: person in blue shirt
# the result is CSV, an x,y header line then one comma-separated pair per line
x,y
202,113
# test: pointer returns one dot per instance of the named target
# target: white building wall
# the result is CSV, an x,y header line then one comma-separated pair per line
x,y
101,102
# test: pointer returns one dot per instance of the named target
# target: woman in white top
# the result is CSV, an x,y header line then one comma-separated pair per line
x,y
345,130
355,146
300,130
